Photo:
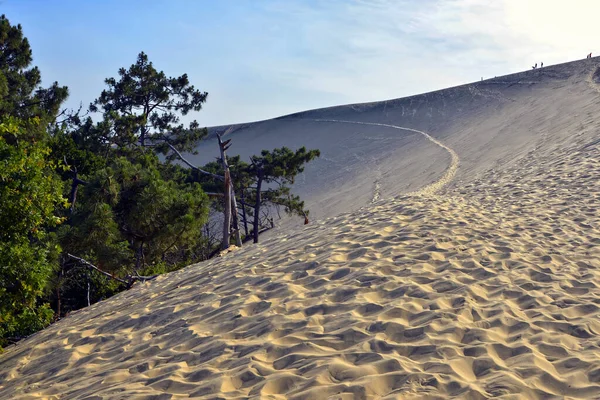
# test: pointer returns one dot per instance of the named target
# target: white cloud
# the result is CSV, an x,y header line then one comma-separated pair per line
x,y
376,49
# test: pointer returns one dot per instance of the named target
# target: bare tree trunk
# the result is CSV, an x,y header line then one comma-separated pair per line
x,y
59,284
244,214
73,194
208,247
230,203
138,257
236,222
257,206
227,212
58,301
74,187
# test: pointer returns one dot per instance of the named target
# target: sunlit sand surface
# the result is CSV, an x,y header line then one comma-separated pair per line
x,y
480,280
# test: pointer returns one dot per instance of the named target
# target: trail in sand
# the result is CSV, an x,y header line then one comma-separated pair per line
x,y
429,189
591,79
377,186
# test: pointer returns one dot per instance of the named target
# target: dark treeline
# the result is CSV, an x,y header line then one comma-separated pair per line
x,y
93,200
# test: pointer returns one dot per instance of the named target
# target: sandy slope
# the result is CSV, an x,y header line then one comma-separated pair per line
x,y
490,124
484,286
432,187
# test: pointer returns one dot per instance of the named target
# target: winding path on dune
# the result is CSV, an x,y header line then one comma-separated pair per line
x,y
591,79
429,189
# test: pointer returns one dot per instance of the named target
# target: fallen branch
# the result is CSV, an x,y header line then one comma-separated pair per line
x,y
129,279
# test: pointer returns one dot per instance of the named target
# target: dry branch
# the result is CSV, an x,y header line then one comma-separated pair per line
x,y
129,279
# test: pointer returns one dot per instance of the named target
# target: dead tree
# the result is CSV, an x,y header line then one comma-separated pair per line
x,y
231,211
229,195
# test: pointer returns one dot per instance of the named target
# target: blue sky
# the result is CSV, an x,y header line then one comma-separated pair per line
x,y
260,59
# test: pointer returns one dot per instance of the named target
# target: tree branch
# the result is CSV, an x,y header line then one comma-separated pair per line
x,y
131,279
92,266
189,164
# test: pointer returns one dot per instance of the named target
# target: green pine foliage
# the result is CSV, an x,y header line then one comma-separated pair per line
x,y
144,107
130,217
133,212
264,186
30,192
20,92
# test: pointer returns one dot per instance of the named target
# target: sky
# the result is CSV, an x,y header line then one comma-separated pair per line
x,y
260,59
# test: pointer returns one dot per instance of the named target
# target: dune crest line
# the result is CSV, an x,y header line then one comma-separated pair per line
x,y
433,187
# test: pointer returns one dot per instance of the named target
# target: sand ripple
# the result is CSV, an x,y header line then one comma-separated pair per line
x,y
489,291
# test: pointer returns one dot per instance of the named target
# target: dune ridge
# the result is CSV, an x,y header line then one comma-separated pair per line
x,y
489,124
483,283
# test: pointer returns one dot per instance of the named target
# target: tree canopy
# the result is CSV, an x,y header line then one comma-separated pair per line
x,y
20,92
30,189
144,106
135,212
30,193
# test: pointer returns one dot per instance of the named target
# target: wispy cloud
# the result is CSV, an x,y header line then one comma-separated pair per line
x,y
374,49
263,58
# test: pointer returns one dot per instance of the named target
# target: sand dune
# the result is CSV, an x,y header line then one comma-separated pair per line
x,y
484,282
490,124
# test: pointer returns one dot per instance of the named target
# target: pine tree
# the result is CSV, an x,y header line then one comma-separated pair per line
x,y
264,184
130,212
144,107
20,93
